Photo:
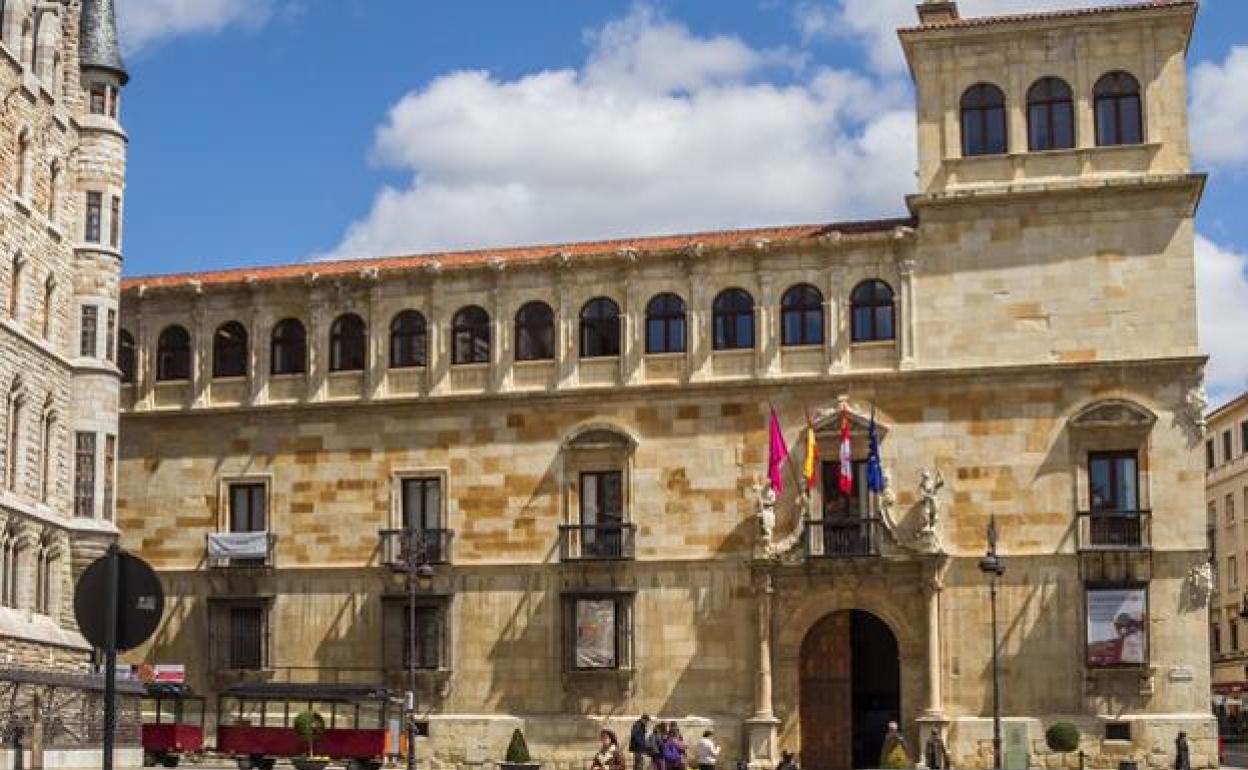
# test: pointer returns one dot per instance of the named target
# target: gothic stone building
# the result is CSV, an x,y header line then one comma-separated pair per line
x,y
62,156
579,431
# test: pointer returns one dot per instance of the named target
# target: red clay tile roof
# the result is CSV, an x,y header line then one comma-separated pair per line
x,y
985,21
721,239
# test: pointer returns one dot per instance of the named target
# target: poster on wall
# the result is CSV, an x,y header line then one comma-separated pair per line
x,y
1117,627
595,634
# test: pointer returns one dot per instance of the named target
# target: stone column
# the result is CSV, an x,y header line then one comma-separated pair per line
x,y
565,323
934,717
259,339
903,316
201,350
762,728
378,359
632,323
766,344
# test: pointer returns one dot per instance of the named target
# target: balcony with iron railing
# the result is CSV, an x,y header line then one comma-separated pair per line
x,y
240,550
1115,530
433,546
842,537
597,542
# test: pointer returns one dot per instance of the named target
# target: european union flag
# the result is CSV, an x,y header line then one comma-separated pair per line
x,y
875,473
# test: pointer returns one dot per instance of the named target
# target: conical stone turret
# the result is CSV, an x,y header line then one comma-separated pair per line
x,y
99,48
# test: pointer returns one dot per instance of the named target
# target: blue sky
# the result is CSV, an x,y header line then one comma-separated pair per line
x,y
266,131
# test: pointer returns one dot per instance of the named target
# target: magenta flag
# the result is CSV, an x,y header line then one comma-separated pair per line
x,y
777,452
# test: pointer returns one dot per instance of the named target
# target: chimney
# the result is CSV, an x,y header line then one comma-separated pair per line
x,y
938,11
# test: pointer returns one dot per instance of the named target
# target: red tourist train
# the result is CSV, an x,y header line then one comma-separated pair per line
x,y
255,724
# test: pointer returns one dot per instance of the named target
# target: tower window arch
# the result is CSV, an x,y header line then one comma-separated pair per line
x,y
1050,115
1118,108
801,316
872,312
733,318
348,344
600,328
665,324
125,355
535,332
22,183
983,121
470,336
409,340
230,350
16,277
173,354
288,351
14,430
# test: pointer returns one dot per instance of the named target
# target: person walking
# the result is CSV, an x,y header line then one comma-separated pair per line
x,y
1182,753
706,752
655,745
674,748
935,753
608,756
637,738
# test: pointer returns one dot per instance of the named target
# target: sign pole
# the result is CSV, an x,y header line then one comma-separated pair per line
x,y
110,654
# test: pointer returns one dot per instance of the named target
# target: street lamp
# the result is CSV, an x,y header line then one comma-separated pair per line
x,y
415,562
991,566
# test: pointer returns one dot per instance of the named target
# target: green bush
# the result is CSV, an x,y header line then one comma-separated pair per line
x,y
309,726
894,757
518,750
1062,737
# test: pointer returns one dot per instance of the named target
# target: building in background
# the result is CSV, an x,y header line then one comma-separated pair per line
x,y
578,433
63,157
1226,495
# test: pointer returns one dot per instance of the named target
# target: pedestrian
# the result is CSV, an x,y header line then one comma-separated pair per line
x,y
655,744
895,752
608,756
1182,753
786,761
637,742
674,749
706,753
935,753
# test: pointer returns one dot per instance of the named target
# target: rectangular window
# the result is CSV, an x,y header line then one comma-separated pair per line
x,y
90,320
245,648
114,223
247,508
1117,626
114,101
1117,731
110,462
422,503
602,514
1230,509
1232,573
598,631
84,475
1113,481
1215,639
432,633
837,504
1234,626
1211,459
99,99
110,336
95,205
1227,451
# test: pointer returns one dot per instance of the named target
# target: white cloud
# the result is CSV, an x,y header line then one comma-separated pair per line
x,y
1219,110
660,130
144,23
873,24
1222,285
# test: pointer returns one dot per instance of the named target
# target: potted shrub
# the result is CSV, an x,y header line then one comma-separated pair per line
x,y
1063,738
310,726
518,754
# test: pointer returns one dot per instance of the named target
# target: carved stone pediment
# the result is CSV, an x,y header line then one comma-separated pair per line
x,y
1114,413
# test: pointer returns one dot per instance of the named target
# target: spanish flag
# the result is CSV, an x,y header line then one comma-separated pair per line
x,y
811,461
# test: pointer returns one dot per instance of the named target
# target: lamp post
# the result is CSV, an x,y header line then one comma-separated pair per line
x,y
415,563
991,566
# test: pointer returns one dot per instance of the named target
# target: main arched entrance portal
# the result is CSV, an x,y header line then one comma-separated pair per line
x,y
850,690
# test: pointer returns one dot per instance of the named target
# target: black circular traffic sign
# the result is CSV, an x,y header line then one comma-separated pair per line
x,y
140,601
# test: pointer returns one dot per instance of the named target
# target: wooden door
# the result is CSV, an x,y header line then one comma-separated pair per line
x,y
827,695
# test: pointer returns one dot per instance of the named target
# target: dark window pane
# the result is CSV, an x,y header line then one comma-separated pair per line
x,y
1063,126
1130,124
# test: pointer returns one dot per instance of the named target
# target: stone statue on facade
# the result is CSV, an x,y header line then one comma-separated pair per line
x,y
766,511
930,484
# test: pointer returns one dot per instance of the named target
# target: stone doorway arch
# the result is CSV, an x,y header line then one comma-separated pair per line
x,y
849,690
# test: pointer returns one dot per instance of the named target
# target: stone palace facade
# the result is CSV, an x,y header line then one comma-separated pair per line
x,y
1226,483
578,432
63,161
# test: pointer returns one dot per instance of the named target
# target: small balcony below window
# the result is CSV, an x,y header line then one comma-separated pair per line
x,y
842,537
432,546
241,550
615,541
1115,530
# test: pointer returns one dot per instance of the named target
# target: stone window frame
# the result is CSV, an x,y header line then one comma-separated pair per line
x,y
625,629
393,604
794,301
600,328
669,311
975,103
225,482
219,630
175,360
225,347
1110,425
398,475
578,458
1057,94
1102,92
348,344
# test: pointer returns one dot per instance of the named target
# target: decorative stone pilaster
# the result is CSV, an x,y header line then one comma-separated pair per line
x,y
934,717
905,329
762,729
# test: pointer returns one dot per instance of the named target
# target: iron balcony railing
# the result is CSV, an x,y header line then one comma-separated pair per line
x,y
597,542
842,538
241,550
1115,530
434,546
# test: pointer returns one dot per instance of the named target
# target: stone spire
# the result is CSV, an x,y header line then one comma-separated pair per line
x,y
98,47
